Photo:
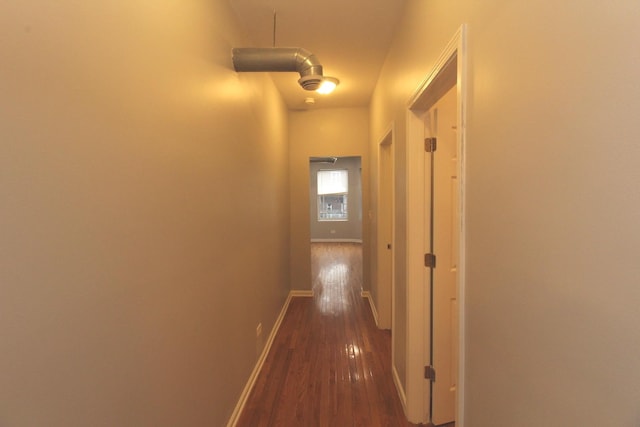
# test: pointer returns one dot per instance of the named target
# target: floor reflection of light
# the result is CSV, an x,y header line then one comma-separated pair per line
x,y
334,275
331,294
352,350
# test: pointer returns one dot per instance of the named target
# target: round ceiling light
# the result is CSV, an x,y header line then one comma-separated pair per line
x,y
328,85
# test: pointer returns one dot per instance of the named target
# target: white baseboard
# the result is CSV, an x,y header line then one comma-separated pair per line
x,y
399,389
394,371
367,295
336,240
300,293
235,416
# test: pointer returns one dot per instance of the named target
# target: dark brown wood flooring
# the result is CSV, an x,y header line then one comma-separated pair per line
x,y
329,364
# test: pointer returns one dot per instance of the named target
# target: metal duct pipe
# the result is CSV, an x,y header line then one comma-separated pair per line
x,y
280,59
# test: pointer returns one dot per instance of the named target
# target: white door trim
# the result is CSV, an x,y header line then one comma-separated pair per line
x,y
387,321
451,67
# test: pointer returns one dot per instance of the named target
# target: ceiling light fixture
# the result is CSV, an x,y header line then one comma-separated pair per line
x,y
328,85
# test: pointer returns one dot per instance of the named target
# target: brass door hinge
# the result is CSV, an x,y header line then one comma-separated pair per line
x,y
430,145
430,260
429,373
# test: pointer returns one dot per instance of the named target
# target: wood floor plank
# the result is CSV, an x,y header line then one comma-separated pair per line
x,y
329,364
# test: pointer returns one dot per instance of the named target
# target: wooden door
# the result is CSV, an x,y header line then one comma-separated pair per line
x,y
445,237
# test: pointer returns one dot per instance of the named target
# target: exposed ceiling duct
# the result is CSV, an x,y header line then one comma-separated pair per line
x,y
331,160
280,59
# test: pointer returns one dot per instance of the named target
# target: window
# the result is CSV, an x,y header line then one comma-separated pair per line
x,y
333,188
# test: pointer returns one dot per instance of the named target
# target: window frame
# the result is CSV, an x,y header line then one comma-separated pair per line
x,y
321,214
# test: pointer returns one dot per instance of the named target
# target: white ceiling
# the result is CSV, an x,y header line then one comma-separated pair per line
x,y
350,38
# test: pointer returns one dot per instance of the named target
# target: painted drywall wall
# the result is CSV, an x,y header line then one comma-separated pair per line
x,y
348,230
551,198
139,176
338,132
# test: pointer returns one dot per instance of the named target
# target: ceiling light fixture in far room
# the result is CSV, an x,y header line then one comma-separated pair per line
x,y
328,85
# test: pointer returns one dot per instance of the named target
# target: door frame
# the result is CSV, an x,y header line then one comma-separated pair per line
x,y
386,315
451,67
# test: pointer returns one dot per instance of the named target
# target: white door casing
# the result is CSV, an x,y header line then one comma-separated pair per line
x,y
449,70
385,232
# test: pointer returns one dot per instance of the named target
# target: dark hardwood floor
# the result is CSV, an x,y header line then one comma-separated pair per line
x,y
329,364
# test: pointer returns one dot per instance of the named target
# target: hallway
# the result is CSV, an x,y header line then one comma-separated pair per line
x,y
329,364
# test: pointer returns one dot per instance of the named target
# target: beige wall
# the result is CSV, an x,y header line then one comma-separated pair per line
x,y
318,133
125,297
552,204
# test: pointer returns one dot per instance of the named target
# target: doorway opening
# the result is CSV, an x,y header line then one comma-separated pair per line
x,y
335,211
